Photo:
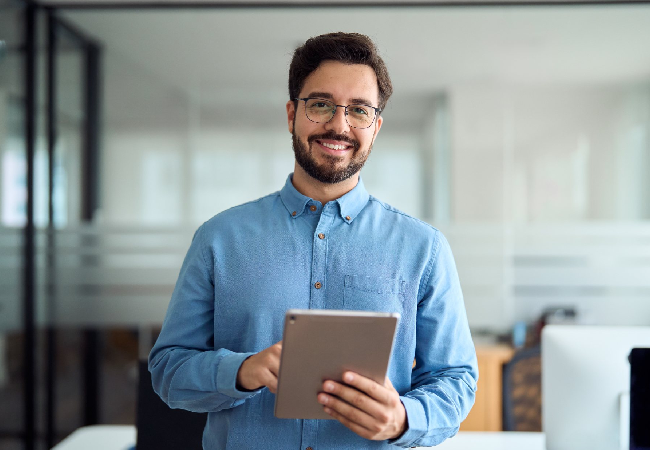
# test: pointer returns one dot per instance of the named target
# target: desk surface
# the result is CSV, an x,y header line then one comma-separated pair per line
x,y
100,437
494,440
122,437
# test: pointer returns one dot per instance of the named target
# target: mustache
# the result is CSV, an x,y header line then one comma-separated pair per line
x,y
334,137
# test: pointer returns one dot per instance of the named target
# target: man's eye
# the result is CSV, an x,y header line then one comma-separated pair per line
x,y
320,105
359,111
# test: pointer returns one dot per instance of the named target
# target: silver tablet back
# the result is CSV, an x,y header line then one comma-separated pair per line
x,y
322,344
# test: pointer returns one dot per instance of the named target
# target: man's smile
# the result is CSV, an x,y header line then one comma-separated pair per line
x,y
334,147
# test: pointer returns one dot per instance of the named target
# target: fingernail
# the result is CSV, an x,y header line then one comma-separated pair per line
x,y
329,387
348,377
323,399
327,410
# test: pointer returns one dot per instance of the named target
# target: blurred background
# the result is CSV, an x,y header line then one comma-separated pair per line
x,y
521,131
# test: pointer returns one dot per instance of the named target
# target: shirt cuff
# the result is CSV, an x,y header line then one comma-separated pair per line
x,y
227,376
416,423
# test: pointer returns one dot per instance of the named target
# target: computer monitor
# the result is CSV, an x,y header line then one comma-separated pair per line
x,y
585,379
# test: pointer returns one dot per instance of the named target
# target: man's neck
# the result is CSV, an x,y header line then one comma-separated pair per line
x,y
322,192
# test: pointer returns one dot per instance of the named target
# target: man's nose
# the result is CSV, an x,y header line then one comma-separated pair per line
x,y
338,123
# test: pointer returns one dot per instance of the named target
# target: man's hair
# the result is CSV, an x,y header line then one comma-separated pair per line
x,y
348,48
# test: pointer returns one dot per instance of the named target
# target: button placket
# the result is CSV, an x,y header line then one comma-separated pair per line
x,y
319,258
309,434
318,297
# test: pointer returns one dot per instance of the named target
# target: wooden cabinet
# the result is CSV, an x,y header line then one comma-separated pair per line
x,y
487,413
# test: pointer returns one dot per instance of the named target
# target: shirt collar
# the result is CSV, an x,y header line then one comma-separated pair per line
x,y
293,200
350,204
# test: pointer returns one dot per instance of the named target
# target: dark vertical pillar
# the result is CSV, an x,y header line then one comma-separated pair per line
x,y
50,342
92,96
29,351
92,362
93,347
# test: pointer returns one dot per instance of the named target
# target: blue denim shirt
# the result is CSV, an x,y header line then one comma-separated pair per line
x,y
247,265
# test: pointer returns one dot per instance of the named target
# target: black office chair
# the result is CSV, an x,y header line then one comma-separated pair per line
x,y
522,391
159,426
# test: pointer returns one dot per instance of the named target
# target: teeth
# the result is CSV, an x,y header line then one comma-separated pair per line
x,y
334,147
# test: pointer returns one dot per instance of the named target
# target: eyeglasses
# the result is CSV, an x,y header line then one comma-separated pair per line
x,y
320,110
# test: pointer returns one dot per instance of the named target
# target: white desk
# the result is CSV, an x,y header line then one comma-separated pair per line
x,y
122,437
494,440
100,437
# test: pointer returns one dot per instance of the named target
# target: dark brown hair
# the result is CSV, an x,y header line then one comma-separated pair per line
x,y
349,48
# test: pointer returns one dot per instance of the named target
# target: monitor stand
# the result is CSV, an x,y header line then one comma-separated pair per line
x,y
624,421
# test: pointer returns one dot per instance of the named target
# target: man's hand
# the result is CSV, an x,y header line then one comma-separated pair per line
x,y
369,409
260,369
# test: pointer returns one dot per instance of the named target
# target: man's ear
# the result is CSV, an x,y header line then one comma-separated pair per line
x,y
291,114
378,123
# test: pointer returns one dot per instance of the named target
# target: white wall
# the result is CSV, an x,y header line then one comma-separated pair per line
x,y
550,200
550,153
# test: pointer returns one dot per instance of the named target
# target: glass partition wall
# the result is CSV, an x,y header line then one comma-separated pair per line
x,y
48,146
522,132
12,206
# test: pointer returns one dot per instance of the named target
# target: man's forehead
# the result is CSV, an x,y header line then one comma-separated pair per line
x,y
352,83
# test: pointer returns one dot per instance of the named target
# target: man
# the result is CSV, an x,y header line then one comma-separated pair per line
x,y
322,242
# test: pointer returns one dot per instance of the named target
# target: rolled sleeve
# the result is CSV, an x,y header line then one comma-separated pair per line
x,y
227,376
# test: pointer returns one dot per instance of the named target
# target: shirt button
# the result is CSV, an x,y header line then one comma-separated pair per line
x,y
317,285
294,214
321,236
347,217
309,448
313,208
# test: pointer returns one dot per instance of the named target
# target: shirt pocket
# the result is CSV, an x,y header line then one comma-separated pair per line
x,y
367,293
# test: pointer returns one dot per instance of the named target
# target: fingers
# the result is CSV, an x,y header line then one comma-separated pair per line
x,y
351,400
371,410
273,367
375,390
272,357
261,369
351,414
355,427
270,380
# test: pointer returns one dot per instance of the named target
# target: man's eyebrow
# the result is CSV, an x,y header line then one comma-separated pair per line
x,y
360,101
352,101
320,95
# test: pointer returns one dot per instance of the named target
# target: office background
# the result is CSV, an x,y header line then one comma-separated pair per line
x,y
521,131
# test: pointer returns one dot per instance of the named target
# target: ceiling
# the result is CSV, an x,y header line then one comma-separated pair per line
x,y
216,61
209,3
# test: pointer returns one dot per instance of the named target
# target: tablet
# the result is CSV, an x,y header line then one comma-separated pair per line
x,y
320,345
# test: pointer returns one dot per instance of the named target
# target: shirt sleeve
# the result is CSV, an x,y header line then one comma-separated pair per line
x,y
443,382
186,370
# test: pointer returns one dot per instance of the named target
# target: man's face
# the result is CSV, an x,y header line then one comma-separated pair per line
x,y
334,151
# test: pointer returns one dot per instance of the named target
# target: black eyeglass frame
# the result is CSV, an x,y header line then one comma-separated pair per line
x,y
345,108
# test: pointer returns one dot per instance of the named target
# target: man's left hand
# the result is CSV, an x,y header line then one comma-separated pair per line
x,y
371,410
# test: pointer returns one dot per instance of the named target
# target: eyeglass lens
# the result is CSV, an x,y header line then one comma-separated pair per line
x,y
358,116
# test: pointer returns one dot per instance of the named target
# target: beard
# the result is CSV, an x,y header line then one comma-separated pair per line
x,y
330,171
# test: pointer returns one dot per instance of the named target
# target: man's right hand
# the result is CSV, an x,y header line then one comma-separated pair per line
x,y
260,369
